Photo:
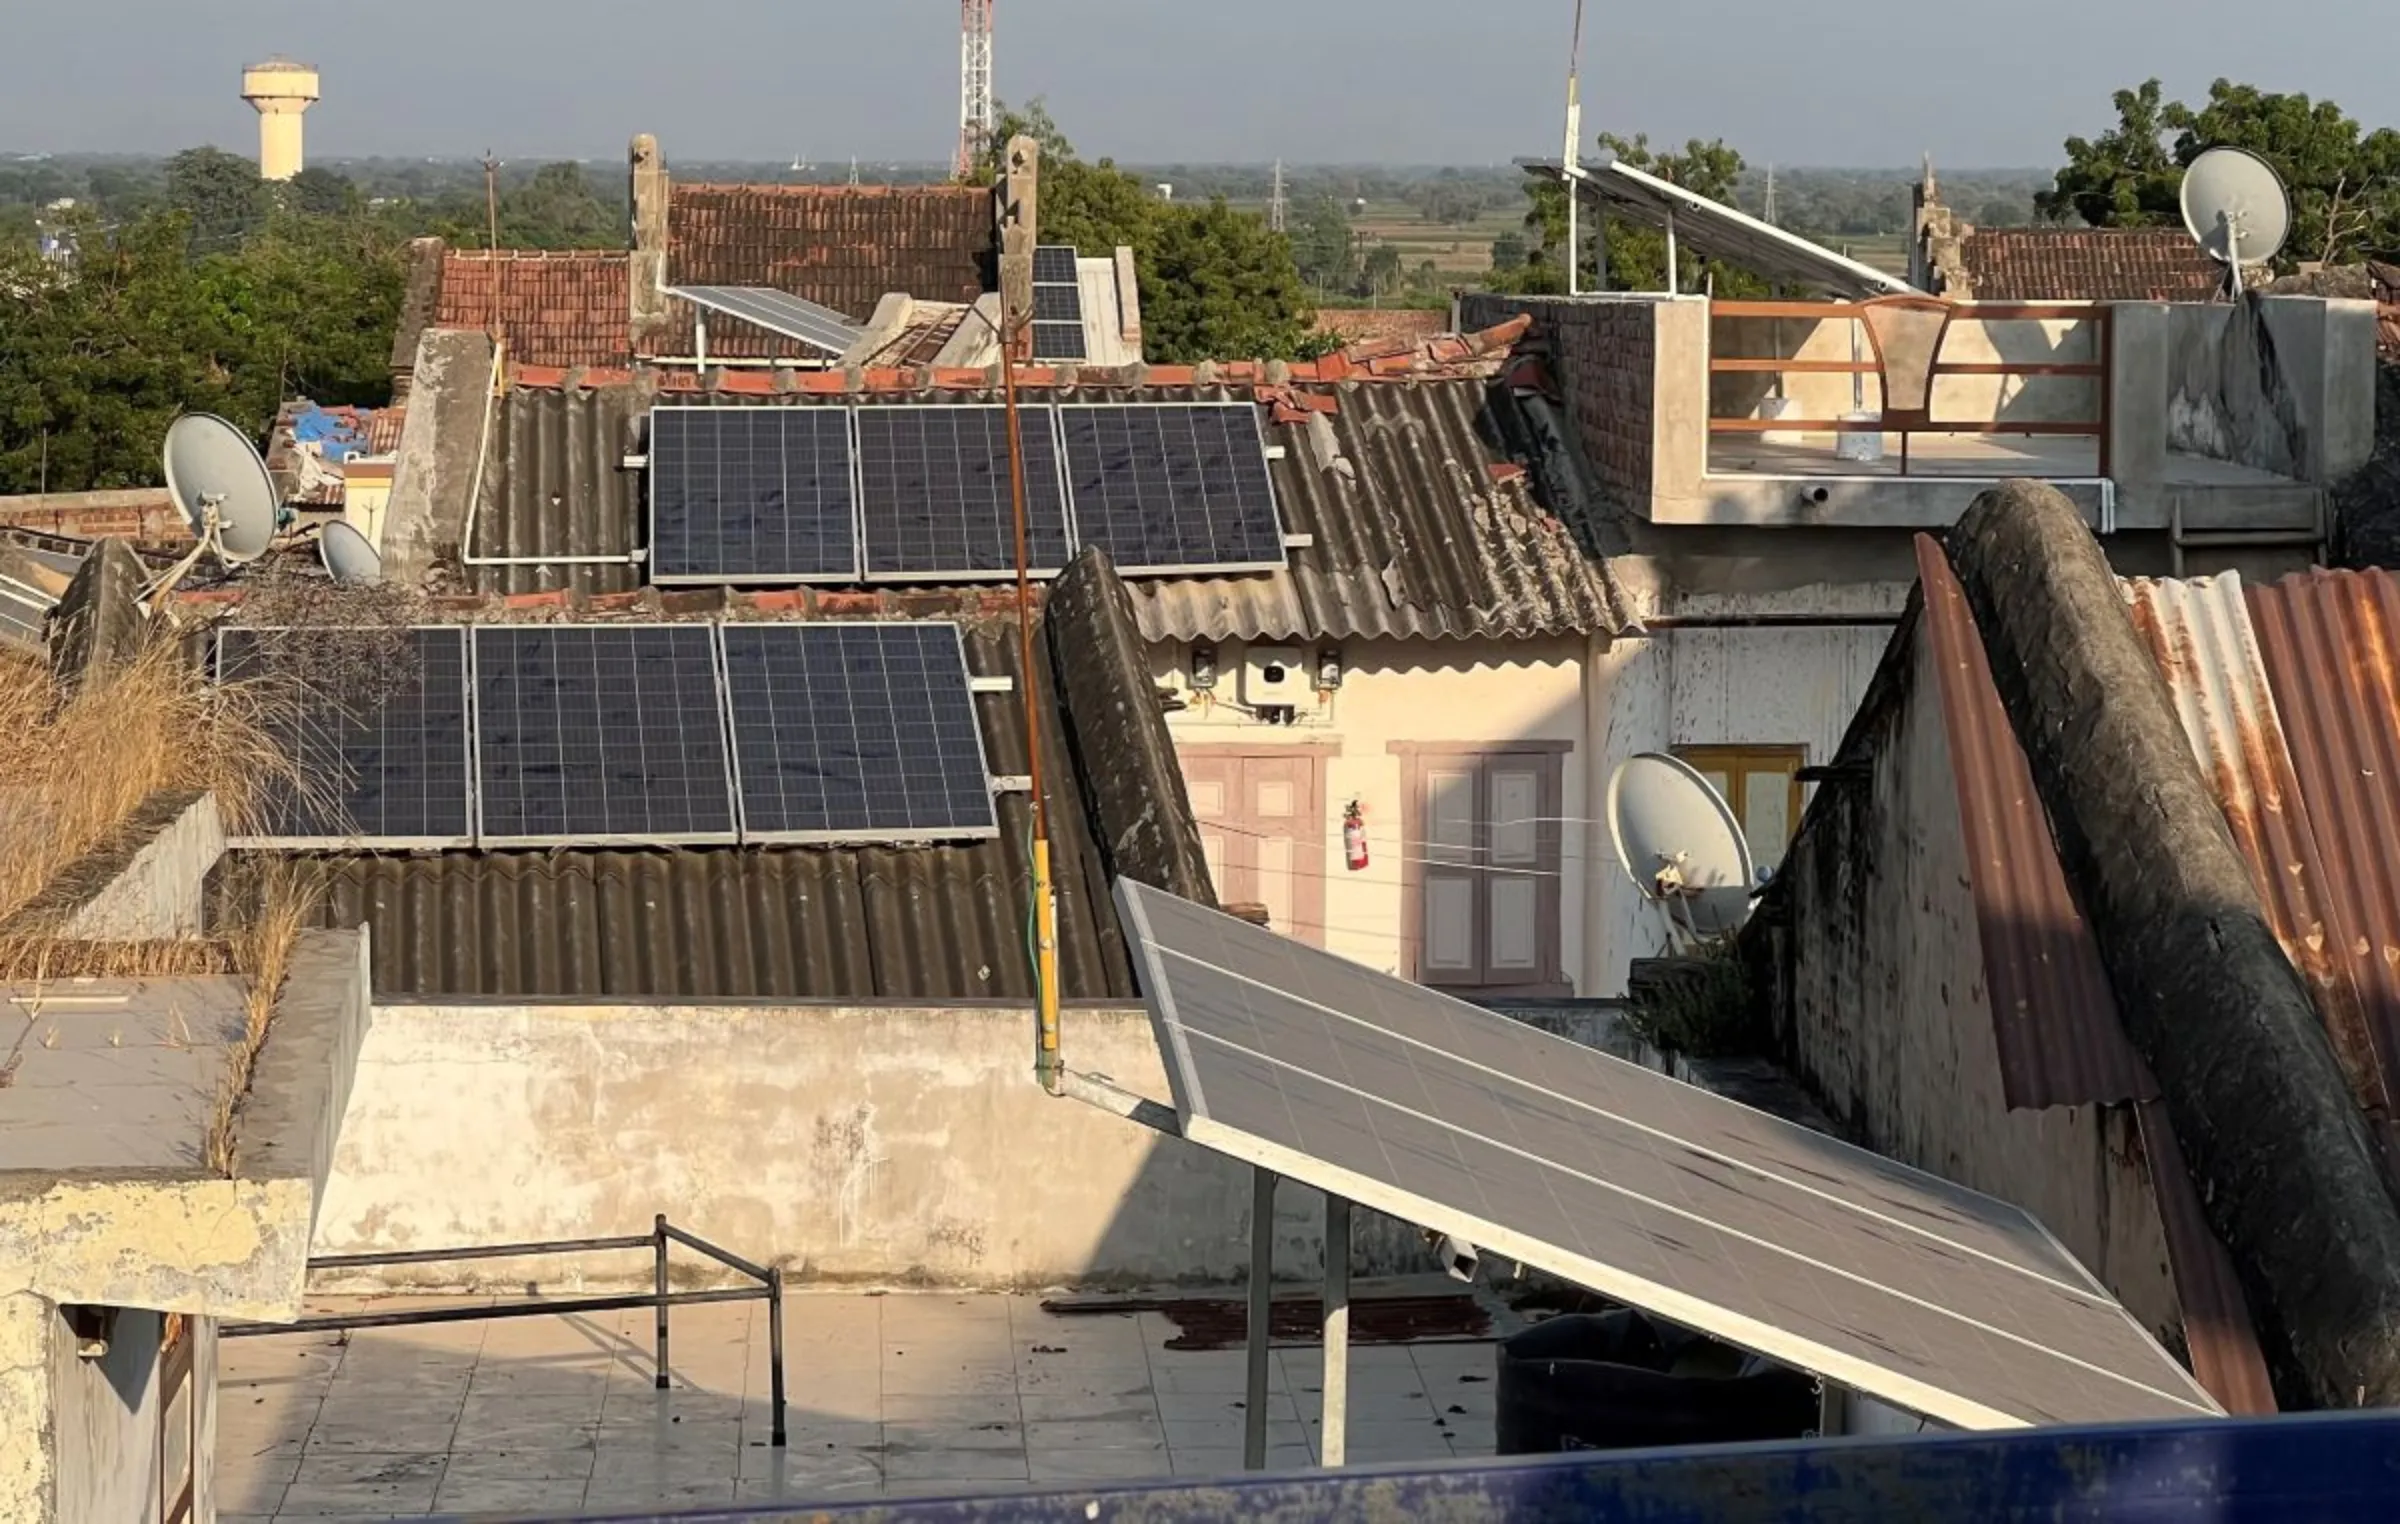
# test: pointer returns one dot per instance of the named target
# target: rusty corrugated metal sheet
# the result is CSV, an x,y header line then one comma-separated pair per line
x,y
1422,521
2053,1014
800,923
2058,1038
2200,634
2331,648
2217,1330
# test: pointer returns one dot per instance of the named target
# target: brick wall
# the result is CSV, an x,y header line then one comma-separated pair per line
x,y
1604,351
144,516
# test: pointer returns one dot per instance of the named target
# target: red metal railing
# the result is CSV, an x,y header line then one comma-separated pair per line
x,y
2097,370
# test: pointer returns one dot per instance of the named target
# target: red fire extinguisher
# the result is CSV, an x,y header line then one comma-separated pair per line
x,y
1354,836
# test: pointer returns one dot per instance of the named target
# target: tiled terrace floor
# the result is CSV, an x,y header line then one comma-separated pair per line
x,y
892,1395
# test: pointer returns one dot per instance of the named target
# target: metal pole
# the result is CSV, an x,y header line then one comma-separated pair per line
x,y
775,1350
1260,1327
1674,275
659,1263
1337,1331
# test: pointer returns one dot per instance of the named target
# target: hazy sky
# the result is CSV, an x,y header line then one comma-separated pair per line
x,y
1453,81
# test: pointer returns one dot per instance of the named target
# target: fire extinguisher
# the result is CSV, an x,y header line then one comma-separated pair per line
x,y
1354,836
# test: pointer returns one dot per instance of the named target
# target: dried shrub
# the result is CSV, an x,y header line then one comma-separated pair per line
x,y
284,902
316,637
1699,1006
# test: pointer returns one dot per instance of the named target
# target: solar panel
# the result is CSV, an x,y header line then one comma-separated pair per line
x,y
1175,488
1054,264
934,493
846,732
1887,1280
374,725
1058,304
752,494
600,732
780,312
1059,341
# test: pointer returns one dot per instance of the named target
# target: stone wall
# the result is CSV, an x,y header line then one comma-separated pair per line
x,y
1605,353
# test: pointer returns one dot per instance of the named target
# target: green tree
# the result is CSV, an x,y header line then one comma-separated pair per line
x,y
219,192
2344,182
1509,251
558,209
316,192
1322,246
1215,283
1637,255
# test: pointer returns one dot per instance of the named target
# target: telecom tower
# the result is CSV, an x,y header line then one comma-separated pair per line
x,y
1275,203
975,115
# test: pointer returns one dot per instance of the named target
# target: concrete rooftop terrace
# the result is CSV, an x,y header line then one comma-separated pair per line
x,y
898,1395
117,1077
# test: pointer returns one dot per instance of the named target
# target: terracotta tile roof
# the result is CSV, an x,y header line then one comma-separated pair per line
x,y
554,309
841,245
2087,265
1405,323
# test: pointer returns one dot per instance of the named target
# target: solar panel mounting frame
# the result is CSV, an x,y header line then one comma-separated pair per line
x,y
1026,412
1196,1124
858,838
852,576
724,721
1066,467
468,775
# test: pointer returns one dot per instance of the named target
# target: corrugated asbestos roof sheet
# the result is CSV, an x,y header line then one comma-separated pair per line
x,y
843,246
1422,519
799,923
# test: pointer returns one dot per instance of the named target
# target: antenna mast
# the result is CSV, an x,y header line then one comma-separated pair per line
x,y
1572,159
975,113
1276,214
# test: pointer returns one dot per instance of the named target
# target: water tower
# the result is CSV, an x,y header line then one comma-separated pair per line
x,y
281,90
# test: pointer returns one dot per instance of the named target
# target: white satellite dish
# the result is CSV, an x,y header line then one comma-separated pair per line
x,y
349,559
2234,204
1682,845
221,487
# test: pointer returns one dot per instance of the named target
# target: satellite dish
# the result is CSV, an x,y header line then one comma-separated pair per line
x,y
348,557
1681,844
2235,205
221,487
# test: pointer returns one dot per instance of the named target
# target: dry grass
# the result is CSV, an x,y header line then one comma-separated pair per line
x,y
78,767
75,765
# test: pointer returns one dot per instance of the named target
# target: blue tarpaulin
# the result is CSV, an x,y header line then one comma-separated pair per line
x,y
2289,1470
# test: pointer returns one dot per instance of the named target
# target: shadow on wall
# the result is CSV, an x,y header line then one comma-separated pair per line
x,y
1963,399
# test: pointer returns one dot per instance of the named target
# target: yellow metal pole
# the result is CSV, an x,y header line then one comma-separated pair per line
x,y
1047,1063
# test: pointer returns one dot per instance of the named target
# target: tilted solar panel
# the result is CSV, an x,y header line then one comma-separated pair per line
x,y
794,317
852,732
600,732
1879,1277
374,725
752,494
1059,341
1054,264
934,493
1172,488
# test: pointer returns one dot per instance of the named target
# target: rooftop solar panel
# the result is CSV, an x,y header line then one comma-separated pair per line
x,y
851,732
1054,264
779,312
600,733
1058,304
1168,489
1884,1279
375,727
1059,341
752,494
934,493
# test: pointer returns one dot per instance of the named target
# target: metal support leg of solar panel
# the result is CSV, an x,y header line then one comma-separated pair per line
x,y
1878,1279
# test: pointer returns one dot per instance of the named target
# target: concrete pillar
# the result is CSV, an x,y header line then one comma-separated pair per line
x,y
1679,407
2138,393
650,276
28,1478
1018,212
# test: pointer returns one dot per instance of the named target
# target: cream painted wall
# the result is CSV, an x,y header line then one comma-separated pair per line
x,y
1421,691
1966,398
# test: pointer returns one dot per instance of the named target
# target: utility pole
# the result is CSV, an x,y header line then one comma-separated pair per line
x,y
975,114
1276,213
1770,195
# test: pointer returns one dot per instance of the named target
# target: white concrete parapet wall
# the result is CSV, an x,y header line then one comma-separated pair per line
x,y
874,1145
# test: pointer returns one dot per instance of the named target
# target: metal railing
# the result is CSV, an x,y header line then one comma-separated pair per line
x,y
658,1240
2097,370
